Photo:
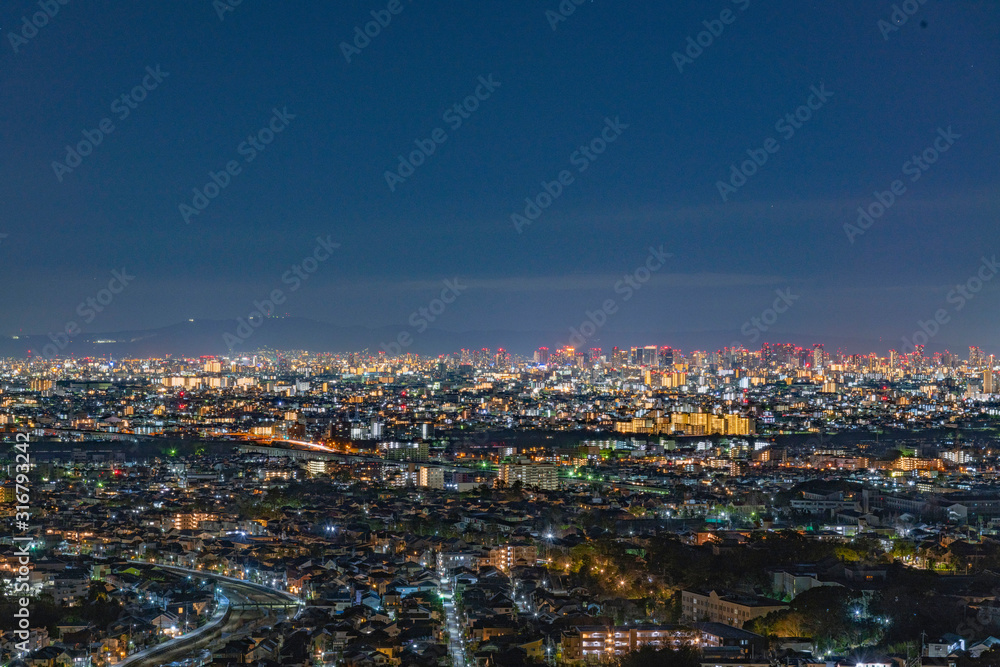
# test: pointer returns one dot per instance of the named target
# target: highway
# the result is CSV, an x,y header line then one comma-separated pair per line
x,y
243,605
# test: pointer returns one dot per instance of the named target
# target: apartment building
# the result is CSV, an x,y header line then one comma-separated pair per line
x,y
596,643
730,609
543,475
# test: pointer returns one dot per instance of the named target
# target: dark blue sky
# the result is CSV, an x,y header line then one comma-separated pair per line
x,y
654,185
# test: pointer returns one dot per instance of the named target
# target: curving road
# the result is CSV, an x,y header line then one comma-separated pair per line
x,y
238,608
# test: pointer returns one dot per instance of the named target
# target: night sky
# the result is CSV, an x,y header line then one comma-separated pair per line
x,y
893,90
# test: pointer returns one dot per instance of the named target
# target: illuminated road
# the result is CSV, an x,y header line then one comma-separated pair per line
x,y
238,612
185,644
456,640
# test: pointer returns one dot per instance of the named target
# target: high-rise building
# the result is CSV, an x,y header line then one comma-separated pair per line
x,y
674,379
542,355
818,355
404,451
975,357
988,387
543,475
431,478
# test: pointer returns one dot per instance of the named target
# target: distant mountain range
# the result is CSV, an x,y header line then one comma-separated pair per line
x,y
212,337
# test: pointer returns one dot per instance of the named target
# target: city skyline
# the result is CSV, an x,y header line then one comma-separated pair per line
x,y
181,341
55,347
225,510
511,333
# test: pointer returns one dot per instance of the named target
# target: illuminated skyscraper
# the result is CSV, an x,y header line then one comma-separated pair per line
x,y
818,355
